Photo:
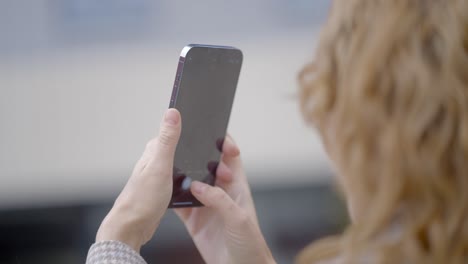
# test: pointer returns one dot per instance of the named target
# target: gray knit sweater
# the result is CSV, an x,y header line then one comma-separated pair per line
x,y
113,252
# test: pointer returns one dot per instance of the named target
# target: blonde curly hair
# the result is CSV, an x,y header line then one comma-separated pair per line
x,y
391,78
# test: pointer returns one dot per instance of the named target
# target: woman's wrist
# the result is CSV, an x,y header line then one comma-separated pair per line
x,y
120,229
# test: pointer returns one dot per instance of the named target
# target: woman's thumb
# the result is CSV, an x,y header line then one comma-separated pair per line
x,y
216,198
164,146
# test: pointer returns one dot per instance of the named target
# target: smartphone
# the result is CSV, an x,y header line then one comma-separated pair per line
x,y
203,92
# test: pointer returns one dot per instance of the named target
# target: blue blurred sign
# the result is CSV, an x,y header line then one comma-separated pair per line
x,y
102,19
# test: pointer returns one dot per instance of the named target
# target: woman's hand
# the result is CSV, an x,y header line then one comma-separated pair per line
x,y
140,206
226,230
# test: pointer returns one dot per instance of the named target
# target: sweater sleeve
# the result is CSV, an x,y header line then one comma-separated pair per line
x,y
113,252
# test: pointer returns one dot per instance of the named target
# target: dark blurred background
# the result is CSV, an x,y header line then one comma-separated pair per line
x,y
83,86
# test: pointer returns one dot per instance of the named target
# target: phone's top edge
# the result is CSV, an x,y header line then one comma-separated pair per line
x,y
211,46
186,49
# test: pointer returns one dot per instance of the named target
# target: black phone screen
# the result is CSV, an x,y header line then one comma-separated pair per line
x,y
203,93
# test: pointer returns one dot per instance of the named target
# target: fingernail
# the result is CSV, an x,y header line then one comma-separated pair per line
x,y
198,187
172,116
